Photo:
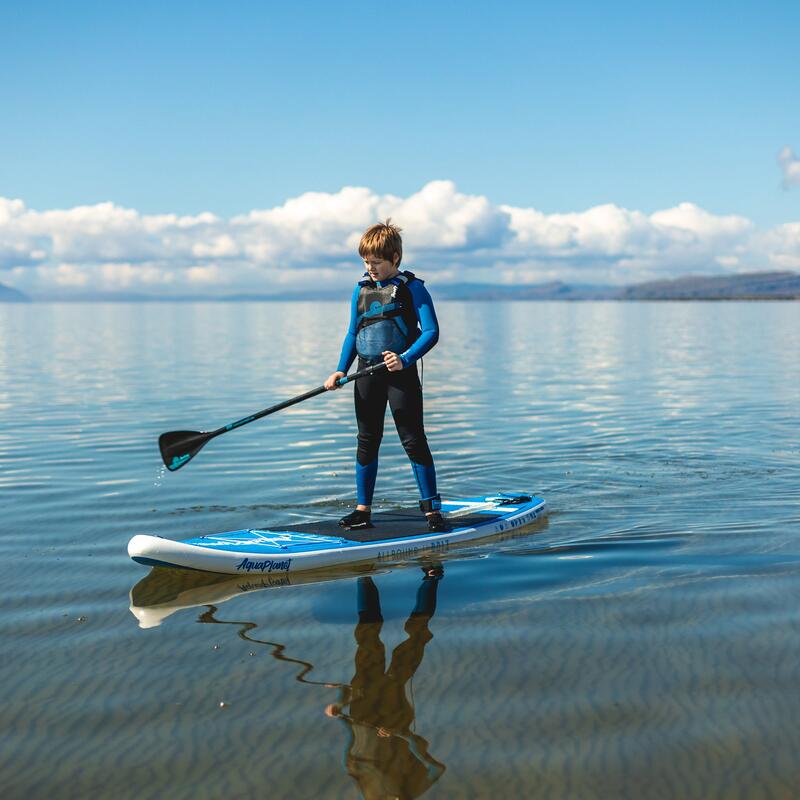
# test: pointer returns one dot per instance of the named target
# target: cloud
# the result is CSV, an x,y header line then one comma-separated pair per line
x,y
312,239
439,218
614,244
780,245
790,166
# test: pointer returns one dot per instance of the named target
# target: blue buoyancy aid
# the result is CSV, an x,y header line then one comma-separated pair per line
x,y
386,317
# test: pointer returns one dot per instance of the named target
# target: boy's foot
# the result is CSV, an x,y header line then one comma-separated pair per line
x,y
433,572
356,519
437,523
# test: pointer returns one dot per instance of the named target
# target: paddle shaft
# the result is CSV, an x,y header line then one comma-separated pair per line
x,y
294,400
179,447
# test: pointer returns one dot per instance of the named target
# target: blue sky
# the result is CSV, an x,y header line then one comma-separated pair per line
x,y
177,107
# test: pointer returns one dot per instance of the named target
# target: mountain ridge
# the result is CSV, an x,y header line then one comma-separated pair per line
x,y
745,286
8,294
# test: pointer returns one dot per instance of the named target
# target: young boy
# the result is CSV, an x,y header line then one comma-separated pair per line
x,y
391,320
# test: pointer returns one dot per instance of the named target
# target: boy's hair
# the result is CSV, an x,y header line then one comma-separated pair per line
x,y
382,240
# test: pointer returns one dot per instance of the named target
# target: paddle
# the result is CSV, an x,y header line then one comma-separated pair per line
x,y
180,447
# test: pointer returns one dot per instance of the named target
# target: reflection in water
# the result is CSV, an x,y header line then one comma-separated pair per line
x,y
164,590
277,649
384,756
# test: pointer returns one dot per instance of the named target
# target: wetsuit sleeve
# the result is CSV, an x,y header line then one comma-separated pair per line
x,y
423,306
349,345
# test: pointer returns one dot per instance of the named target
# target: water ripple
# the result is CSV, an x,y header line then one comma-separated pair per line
x,y
639,642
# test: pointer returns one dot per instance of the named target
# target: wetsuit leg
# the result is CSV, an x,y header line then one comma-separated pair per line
x,y
407,656
370,654
405,400
369,601
370,395
426,596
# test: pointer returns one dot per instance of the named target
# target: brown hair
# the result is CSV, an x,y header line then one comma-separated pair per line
x,y
382,240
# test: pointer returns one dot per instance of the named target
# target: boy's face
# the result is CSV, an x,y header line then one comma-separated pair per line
x,y
380,269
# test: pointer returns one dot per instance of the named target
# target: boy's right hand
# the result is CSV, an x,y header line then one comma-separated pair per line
x,y
330,383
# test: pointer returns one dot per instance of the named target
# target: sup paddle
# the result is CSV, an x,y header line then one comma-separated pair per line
x,y
180,447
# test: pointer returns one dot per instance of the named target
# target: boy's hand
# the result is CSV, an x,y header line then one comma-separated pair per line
x,y
392,360
330,383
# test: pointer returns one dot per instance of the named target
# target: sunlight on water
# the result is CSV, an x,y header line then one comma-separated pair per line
x,y
638,642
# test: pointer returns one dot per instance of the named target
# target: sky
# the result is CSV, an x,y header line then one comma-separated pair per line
x,y
223,147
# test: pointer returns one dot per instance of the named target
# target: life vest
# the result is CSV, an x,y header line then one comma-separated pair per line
x,y
386,317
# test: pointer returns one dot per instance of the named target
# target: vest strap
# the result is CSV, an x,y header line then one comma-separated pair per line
x,y
376,311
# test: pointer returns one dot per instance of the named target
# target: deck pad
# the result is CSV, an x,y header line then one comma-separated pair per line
x,y
386,525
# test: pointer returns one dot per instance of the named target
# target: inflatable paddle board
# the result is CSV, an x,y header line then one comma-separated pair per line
x,y
395,536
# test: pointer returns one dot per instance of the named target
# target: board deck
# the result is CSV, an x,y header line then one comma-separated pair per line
x,y
316,544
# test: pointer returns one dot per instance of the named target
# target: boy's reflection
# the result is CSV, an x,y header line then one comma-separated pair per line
x,y
384,756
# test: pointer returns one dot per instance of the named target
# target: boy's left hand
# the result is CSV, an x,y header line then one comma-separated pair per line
x,y
392,361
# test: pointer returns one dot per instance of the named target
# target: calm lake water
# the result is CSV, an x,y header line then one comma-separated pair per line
x,y
640,642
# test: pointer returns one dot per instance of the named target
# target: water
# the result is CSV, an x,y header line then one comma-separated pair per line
x,y
642,641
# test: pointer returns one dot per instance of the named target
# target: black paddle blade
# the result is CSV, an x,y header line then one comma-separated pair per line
x,y
180,447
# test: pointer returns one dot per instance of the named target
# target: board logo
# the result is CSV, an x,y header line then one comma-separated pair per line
x,y
267,565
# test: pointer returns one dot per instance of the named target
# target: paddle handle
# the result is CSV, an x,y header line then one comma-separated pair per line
x,y
362,374
299,399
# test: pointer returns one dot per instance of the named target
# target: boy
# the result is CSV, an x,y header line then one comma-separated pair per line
x,y
391,320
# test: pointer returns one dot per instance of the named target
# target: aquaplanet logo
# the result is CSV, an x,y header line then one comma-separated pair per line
x,y
266,565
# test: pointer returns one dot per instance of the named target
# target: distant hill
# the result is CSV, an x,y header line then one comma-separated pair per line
x,y
749,286
554,290
9,295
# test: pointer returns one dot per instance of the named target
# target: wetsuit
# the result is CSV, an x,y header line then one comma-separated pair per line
x,y
395,315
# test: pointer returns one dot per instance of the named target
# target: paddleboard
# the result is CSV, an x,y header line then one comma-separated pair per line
x,y
395,536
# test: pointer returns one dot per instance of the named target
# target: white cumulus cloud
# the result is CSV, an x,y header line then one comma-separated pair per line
x,y
448,235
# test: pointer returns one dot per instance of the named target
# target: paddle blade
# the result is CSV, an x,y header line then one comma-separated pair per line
x,y
180,447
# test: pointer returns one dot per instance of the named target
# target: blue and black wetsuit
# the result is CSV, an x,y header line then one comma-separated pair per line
x,y
395,315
